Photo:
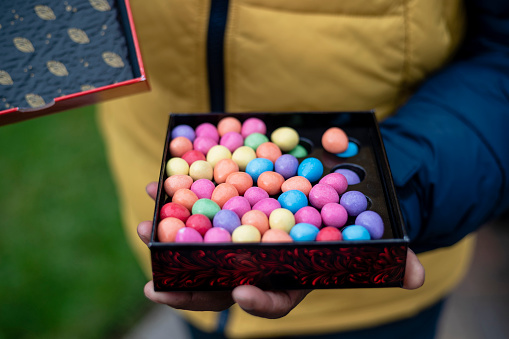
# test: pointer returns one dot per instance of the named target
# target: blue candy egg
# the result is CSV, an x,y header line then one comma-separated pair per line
x,y
257,166
293,200
355,232
286,165
311,169
351,151
304,232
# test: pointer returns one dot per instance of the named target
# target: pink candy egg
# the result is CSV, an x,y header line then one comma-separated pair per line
x,y
238,204
204,144
232,141
309,215
253,125
203,188
337,181
267,205
255,194
322,194
207,130
333,214
188,235
217,235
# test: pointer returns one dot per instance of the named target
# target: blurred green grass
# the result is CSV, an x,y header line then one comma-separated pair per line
x,y
65,267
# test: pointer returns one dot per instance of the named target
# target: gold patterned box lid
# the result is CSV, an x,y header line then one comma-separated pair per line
x,y
58,55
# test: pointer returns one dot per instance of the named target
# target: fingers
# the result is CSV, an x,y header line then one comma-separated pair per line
x,y
192,301
414,272
144,231
151,189
267,304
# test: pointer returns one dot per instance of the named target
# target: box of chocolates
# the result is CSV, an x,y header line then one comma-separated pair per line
x,y
57,55
277,200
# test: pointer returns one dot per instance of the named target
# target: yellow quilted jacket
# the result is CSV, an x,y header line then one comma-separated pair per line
x,y
299,55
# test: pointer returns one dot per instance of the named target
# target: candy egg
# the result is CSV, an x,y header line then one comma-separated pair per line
x,y
286,138
192,156
177,166
304,232
351,150
255,140
238,204
185,197
175,182
297,183
256,218
167,229
217,235
183,131
257,166
351,177
267,205
371,221
203,188
329,234
333,214
276,236
201,170
322,194
293,200
217,153
172,209
240,180
311,169
354,202
270,182
242,156
203,144
227,125
188,235
268,150
222,193
286,165
232,141
309,215
355,232
207,130
179,146
223,169
246,233
200,223
253,125
282,219
337,181
255,194
299,152
335,140
227,219
206,207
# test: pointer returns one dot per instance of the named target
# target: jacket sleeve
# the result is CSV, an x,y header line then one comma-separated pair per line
x,y
448,146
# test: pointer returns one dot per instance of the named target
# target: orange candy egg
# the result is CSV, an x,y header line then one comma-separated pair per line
x,y
179,146
168,228
335,140
223,169
297,183
270,182
276,235
228,124
241,180
185,197
268,150
176,182
222,193
257,219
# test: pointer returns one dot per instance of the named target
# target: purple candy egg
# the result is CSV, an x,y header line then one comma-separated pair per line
x,y
183,131
351,177
286,165
354,202
227,219
373,222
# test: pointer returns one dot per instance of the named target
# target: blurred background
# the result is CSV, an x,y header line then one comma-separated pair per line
x,y
66,270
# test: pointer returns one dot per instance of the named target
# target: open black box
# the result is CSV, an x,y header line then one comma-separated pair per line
x,y
58,55
307,265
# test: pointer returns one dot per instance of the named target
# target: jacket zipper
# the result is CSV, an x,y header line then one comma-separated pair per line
x,y
215,54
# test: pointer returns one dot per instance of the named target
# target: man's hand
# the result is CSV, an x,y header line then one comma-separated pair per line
x,y
266,304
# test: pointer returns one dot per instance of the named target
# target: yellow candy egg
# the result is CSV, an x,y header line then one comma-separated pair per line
x,y
201,169
177,166
246,233
217,153
286,138
282,219
242,156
